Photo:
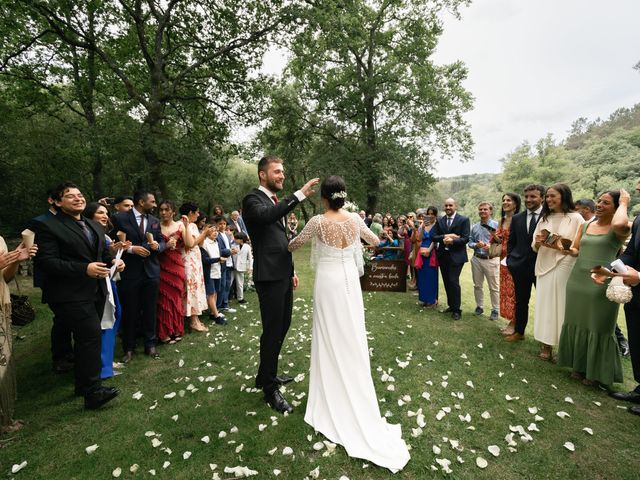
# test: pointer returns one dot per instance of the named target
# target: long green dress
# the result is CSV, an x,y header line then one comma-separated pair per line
x,y
587,342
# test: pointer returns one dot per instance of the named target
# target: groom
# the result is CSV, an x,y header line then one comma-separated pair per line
x,y
273,275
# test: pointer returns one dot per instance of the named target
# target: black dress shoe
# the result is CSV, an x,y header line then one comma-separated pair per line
x,y
152,352
635,410
98,397
446,310
128,356
455,315
631,396
278,402
280,380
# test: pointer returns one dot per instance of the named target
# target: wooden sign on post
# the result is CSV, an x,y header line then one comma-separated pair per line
x,y
385,276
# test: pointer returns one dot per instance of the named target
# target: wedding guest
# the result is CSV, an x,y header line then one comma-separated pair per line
x,y
416,222
235,220
9,263
587,342
218,211
427,275
140,281
483,267
388,241
243,263
368,220
292,226
72,255
521,258
172,274
553,264
226,251
211,259
376,224
112,314
61,338
404,235
452,234
631,258
201,221
510,207
123,203
587,207
195,299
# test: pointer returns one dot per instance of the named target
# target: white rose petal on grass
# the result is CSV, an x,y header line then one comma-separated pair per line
x,y
500,374
239,448
510,441
440,415
391,388
533,410
273,450
509,398
562,414
533,428
276,472
233,430
568,399
597,404
262,426
436,449
315,473
91,448
181,363
205,439
116,472
481,462
155,443
150,433
426,395
588,430
318,446
134,468
486,415
18,466
538,418
416,432
470,384
222,434
569,446
137,396
169,396
287,451
298,378
494,450
240,472
479,345
174,418
186,455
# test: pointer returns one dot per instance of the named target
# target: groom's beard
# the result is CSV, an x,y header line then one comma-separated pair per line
x,y
273,186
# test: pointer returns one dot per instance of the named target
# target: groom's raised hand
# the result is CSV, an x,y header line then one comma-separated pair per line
x,y
307,189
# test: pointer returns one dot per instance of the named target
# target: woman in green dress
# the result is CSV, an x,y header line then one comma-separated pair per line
x,y
587,343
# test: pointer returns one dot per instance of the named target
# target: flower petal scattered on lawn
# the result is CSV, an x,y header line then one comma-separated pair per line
x,y
174,418
562,414
597,404
91,448
240,472
569,446
239,448
205,439
116,472
486,415
169,396
470,384
276,472
494,450
222,434
315,473
186,455
166,464
287,451
533,410
568,399
436,449
233,430
273,450
481,462
18,466
588,430
318,446
137,396
134,468
533,428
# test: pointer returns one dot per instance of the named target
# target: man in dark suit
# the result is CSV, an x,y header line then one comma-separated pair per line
x,y
236,221
73,257
61,343
273,272
451,232
521,259
139,284
631,258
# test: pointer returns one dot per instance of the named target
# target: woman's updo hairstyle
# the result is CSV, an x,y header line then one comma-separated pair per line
x,y
334,190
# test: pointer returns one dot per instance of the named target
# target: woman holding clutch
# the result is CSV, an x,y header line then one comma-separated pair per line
x,y
558,227
588,344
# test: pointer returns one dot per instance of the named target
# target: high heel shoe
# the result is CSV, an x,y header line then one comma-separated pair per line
x,y
197,326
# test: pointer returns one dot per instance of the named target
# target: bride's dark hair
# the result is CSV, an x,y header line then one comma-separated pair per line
x,y
334,190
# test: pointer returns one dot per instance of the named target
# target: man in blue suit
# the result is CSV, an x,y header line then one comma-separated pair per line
x,y
140,282
451,232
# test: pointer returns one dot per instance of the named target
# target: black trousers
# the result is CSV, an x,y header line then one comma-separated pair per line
x,y
138,298
276,303
61,345
632,314
523,282
451,279
83,320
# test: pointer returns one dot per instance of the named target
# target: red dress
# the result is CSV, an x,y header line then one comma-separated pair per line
x,y
507,290
170,309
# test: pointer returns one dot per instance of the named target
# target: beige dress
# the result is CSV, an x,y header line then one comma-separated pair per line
x,y
552,273
7,366
195,300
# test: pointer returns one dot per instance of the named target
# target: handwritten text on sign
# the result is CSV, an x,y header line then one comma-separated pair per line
x,y
385,276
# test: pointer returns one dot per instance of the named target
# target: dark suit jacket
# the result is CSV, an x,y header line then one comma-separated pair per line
x,y
264,220
631,257
63,255
138,266
33,225
520,256
457,253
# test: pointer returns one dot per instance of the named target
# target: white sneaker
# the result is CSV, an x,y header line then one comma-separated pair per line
x,y
230,310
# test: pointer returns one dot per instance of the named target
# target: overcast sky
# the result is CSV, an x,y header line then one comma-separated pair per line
x,y
535,66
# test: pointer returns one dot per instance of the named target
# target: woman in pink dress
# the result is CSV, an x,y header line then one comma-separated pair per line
x,y
170,309
195,299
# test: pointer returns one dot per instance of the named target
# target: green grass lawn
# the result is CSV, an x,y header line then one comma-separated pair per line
x,y
462,369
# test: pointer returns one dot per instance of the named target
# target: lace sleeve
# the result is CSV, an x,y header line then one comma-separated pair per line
x,y
307,233
365,233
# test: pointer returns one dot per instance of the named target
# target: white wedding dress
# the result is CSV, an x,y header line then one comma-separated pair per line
x,y
342,403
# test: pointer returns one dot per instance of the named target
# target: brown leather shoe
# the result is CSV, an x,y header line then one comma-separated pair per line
x,y
128,356
514,337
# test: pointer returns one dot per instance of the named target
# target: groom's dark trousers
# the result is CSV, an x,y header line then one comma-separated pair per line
x,y
272,274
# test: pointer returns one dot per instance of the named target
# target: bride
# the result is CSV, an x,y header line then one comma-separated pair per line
x,y
342,402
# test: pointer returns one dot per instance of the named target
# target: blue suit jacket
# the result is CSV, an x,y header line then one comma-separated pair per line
x,y
137,266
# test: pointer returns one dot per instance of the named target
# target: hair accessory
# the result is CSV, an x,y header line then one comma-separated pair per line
x,y
341,194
